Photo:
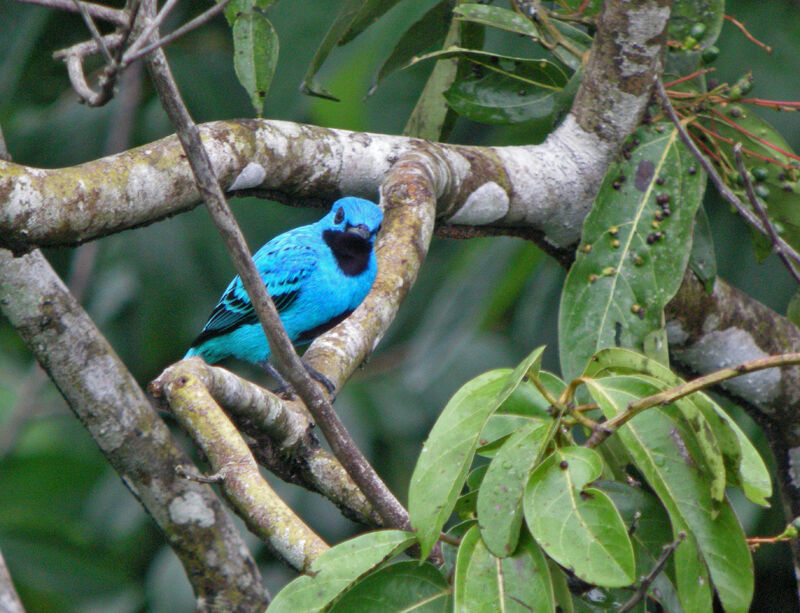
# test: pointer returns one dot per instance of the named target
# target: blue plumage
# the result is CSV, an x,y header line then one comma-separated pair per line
x,y
317,275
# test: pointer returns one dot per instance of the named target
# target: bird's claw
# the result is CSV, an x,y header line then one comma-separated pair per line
x,y
285,389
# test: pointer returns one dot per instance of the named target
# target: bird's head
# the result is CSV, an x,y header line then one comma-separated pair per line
x,y
349,230
357,218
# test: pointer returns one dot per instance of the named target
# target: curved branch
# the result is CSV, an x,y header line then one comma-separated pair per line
x,y
264,512
107,399
409,201
281,433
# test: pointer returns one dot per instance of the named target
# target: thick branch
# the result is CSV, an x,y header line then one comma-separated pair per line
x,y
264,512
281,433
106,398
409,201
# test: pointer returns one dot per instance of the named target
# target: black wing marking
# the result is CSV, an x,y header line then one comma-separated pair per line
x,y
233,311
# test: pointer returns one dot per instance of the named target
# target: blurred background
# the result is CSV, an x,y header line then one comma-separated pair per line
x,y
73,537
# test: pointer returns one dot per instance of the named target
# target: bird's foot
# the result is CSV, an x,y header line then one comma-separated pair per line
x,y
285,389
318,376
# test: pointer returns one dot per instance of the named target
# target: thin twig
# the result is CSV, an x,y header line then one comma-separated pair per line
x,y
748,36
790,533
184,29
604,430
761,210
646,581
151,27
88,47
724,191
287,361
116,16
90,25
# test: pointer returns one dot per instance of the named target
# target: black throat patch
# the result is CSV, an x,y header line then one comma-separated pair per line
x,y
351,252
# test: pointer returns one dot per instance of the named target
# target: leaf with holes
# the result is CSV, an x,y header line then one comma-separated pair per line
x,y
448,453
634,249
666,454
743,464
578,525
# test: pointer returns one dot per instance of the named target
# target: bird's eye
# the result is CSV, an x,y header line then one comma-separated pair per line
x,y
339,217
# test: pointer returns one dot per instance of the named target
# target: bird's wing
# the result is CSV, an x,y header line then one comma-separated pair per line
x,y
284,263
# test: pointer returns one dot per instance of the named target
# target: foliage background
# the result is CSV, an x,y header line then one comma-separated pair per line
x,y
73,537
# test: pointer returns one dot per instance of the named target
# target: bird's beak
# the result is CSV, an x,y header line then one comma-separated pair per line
x,y
361,230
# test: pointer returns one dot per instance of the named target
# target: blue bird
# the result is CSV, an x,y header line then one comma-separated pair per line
x,y
317,275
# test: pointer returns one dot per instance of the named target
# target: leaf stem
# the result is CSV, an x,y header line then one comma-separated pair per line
x,y
759,208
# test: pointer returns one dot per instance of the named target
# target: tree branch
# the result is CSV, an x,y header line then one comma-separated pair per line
x,y
9,599
282,435
264,512
98,11
129,433
287,360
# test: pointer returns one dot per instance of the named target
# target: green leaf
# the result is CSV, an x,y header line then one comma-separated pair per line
x,y
338,569
447,454
432,118
370,12
563,595
743,464
353,17
497,429
255,55
499,504
687,15
397,587
712,463
793,309
511,91
497,17
236,8
702,259
578,526
457,532
662,450
423,34
483,582
624,273
649,530
511,21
